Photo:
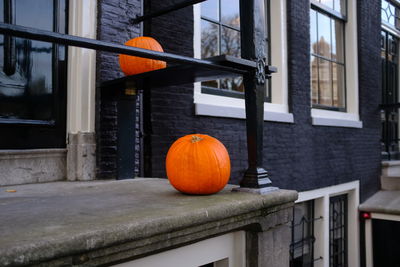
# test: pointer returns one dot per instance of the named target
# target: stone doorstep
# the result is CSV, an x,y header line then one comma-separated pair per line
x,y
390,182
103,222
391,168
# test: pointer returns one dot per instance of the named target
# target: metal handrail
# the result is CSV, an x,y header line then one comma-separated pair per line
x,y
71,40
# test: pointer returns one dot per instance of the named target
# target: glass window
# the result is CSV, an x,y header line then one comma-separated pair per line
x,y
220,35
390,14
338,231
302,245
327,62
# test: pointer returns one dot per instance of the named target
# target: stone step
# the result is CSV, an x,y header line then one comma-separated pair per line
x,y
390,182
391,168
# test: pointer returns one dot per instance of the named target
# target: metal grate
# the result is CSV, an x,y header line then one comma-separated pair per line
x,y
338,231
302,246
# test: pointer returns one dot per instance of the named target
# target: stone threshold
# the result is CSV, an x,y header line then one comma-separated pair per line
x,y
32,153
106,222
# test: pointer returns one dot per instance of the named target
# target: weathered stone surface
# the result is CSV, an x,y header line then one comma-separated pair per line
x,y
32,166
387,202
94,223
81,159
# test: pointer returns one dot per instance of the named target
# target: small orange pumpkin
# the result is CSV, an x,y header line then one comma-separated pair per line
x,y
131,65
198,164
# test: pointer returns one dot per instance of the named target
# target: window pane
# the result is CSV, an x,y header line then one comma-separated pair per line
x,y
313,31
340,6
235,84
325,82
314,80
230,42
328,3
338,85
301,247
230,13
210,9
209,39
324,35
337,41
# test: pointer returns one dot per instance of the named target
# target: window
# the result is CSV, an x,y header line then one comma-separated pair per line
x,y
333,63
390,14
302,246
213,21
338,231
220,34
325,227
327,55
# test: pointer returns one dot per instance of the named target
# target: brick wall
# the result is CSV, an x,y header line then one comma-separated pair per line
x,y
298,156
113,26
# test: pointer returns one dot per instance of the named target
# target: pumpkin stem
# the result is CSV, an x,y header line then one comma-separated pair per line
x,y
196,139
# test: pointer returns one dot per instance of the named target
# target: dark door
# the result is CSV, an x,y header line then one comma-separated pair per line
x,y
33,77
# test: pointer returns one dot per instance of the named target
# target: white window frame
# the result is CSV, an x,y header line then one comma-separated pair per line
x,y
351,117
321,199
223,106
228,250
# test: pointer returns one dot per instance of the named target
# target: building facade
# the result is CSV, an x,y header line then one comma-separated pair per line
x,y
322,120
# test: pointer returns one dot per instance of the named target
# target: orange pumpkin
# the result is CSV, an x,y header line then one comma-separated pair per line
x,y
198,164
131,65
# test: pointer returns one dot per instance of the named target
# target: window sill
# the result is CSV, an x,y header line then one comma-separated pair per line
x,y
335,119
216,106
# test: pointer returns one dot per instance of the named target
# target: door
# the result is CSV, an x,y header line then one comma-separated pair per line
x,y
33,77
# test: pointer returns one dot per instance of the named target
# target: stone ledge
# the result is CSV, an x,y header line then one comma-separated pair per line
x,y
387,202
32,166
94,223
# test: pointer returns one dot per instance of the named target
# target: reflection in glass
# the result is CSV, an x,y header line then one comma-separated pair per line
x,y
302,244
325,82
27,94
338,41
313,31
230,13
338,85
210,9
235,84
328,3
230,42
209,39
324,35
314,80
340,6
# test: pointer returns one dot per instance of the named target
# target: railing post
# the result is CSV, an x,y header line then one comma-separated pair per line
x,y
253,46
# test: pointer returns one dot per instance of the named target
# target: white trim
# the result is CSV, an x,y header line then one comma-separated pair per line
x,y
369,250
321,197
389,29
81,68
350,118
322,117
220,106
387,217
225,250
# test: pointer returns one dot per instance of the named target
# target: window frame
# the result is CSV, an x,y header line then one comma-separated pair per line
x,y
229,107
351,117
321,198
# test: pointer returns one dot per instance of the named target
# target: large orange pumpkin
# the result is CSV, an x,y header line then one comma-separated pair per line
x,y
131,65
198,164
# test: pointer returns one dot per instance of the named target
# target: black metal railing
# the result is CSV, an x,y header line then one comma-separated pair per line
x,y
255,74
